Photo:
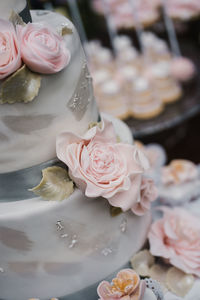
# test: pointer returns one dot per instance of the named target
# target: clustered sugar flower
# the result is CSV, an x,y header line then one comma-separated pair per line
x,y
102,167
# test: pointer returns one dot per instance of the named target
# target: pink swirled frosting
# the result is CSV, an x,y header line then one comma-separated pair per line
x,y
102,167
10,57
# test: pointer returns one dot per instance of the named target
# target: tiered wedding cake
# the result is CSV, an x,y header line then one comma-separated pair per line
x,y
56,248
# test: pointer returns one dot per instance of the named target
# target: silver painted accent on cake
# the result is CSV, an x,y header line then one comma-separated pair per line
x,y
71,239
59,225
83,94
64,235
106,251
123,225
74,241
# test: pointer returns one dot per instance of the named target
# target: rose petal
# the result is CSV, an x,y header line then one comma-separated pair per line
x,y
126,199
10,55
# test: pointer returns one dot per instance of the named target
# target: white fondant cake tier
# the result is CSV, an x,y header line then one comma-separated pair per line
x,y
52,249
28,131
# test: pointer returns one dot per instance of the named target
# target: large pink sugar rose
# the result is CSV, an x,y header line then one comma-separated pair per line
x,y
102,167
126,286
10,58
176,237
42,49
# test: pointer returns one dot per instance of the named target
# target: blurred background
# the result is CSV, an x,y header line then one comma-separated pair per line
x,y
134,55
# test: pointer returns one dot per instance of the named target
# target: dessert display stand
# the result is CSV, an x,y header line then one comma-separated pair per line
x,y
175,113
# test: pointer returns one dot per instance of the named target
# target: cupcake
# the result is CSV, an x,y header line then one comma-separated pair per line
x,y
130,57
155,49
166,87
99,56
100,76
112,100
121,11
127,75
144,103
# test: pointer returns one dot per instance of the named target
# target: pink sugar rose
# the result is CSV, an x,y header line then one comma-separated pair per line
x,y
126,286
176,237
148,193
42,49
102,167
10,58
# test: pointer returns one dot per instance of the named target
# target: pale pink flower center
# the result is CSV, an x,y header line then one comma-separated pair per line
x,y
44,39
104,160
